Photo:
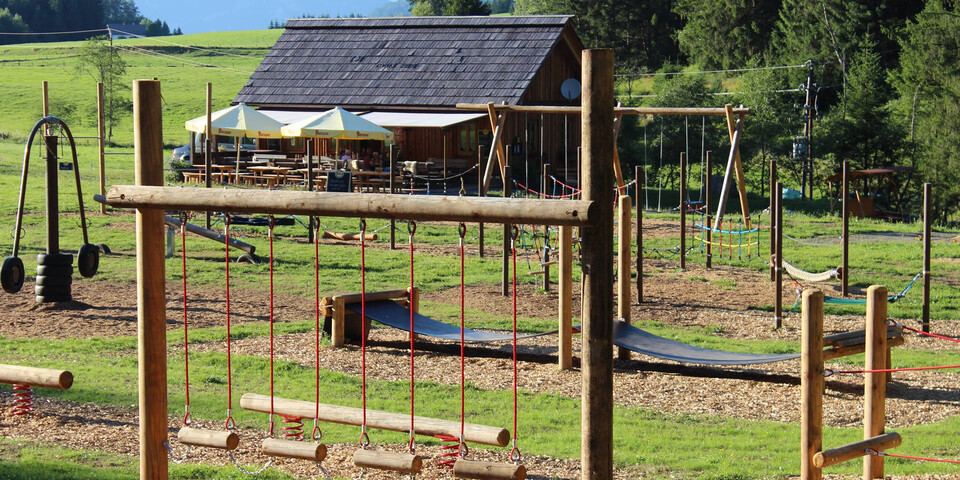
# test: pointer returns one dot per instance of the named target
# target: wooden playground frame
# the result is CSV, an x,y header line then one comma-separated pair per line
x,y
594,215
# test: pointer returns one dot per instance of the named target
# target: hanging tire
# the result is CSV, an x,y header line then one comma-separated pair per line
x,y
54,298
54,280
88,260
11,274
51,290
55,259
54,270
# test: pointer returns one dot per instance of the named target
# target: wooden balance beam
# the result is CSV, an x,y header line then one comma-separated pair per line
x,y
392,461
36,377
354,237
276,447
199,437
473,433
488,470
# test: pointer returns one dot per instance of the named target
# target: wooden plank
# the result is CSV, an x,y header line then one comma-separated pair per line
x,y
875,384
36,377
811,384
151,288
694,111
368,205
395,422
596,434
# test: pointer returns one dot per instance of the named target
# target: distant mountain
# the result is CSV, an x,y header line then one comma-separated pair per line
x,y
392,9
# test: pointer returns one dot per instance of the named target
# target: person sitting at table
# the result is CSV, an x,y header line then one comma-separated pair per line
x,y
346,155
375,162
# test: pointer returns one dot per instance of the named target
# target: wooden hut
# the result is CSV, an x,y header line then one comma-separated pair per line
x,y
408,74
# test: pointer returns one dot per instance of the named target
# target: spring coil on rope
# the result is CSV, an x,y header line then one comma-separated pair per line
x,y
22,399
292,427
450,451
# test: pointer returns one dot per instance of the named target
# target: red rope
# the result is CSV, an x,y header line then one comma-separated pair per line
x,y
463,376
934,335
316,273
513,253
226,235
412,230
186,341
270,235
909,457
886,370
363,325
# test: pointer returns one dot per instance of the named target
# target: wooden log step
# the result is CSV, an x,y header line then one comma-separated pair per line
x,y
275,447
488,470
536,272
547,264
392,461
198,437
473,433
348,236
36,377
850,451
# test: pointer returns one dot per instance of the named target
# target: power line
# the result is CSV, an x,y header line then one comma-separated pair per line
x,y
187,46
54,33
776,67
148,53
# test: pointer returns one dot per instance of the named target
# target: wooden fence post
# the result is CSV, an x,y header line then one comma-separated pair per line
x,y
151,296
565,294
778,259
875,384
845,238
811,384
638,177
101,143
927,221
507,233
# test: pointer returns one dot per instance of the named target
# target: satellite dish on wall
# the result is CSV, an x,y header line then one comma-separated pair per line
x,y
570,88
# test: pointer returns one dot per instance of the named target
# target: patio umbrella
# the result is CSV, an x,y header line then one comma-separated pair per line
x,y
237,121
337,124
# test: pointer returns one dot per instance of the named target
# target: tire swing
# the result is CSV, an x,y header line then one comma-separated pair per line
x,y
363,457
190,435
474,469
54,269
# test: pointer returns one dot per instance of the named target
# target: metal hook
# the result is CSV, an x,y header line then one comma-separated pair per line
x,y
462,230
363,225
411,227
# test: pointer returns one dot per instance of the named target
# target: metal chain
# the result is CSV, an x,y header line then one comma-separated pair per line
x,y
249,472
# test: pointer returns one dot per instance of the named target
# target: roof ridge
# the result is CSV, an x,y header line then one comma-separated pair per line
x,y
430,22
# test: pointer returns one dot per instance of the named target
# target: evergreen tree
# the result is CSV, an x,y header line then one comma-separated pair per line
x,y
121,11
466,7
725,33
501,6
13,23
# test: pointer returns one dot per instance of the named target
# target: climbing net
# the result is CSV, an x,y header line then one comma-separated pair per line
x,y
736,235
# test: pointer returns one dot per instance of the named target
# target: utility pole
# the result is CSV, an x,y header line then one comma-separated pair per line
x,y
806,170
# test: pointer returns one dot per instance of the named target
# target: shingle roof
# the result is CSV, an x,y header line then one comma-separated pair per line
x,y
403,61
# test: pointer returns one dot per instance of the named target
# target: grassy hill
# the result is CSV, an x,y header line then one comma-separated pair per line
x,y
184,64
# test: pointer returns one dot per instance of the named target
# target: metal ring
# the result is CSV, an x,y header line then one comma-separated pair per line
x,y
827,373
411,227
515,455
364,439
186,417
317,433
412,445
462,230
363,225
516,232
229,424
272,222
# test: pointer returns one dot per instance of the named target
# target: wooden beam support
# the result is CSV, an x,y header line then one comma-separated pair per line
x,y
846,351
565,299
927,224
496,149
875,384
681,111
728,174
36,377
617,170
812,384
683,210
210,234
395,422
837,455
368,205
845,235
732,126
596,416
497,123
151,287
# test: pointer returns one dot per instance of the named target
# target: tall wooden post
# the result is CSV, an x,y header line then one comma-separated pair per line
x,y
638,177
565,294
845,238
624,252
778,260
392,164
596,436
683,210
101,144
706,232
927,223
811,384
480,193
210,143
311,230
151,301
545,255
507,233
773,217
875,384
45,99
52,218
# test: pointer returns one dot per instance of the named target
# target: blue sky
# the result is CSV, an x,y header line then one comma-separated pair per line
x,y
194,16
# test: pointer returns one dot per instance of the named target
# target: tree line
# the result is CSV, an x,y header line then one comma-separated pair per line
x,y
28,16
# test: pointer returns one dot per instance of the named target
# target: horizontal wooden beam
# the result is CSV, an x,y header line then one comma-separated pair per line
x,y
391,461
837,455
198,437
276,447
36,377
840,339
349,236
498,437
488,470
366,205
617,110
846,351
